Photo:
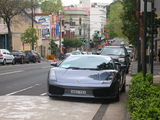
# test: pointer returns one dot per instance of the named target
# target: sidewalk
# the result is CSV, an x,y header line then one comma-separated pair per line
x,y
156,71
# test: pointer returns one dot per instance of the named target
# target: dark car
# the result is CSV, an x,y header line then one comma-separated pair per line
x,y
88,76
33,56
118,53
20,56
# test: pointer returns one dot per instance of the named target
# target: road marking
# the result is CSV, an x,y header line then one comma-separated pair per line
x,y
22,90
7,73
43,94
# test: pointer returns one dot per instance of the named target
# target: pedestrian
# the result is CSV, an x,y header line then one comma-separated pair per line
x,y
159,54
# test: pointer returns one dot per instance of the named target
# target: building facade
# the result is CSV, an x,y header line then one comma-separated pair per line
x,y
19,25
76,23
97,18
3,35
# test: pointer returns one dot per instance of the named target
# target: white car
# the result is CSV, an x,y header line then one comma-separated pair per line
x,y
6,57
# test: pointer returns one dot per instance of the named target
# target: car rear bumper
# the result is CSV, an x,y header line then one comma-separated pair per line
x,y
1,60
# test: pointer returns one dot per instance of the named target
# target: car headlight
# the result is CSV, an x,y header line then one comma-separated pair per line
x,y
52,76
109,79
121,59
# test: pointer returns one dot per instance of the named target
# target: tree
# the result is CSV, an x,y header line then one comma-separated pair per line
x,y
114,18
30,36
112,33
129,20
9,9
71,43
53,46
51,6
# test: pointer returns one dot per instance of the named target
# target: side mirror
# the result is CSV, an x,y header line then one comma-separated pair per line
x,y
123,66
117,63
54,63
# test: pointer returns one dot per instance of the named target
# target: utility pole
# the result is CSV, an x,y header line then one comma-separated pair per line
x,y
32,10
139,68
60,35
152,36
144,66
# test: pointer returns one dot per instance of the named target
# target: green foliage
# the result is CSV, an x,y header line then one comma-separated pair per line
x,y
115,22
72,43
112,33
130,24
144,98
53,46
29,36
51,6
96,36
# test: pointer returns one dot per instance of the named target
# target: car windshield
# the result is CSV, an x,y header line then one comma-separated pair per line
x,y
76,53
28,52
87,62
113,51
16,52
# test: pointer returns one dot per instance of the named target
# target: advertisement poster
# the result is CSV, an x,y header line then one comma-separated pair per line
x,y
45,21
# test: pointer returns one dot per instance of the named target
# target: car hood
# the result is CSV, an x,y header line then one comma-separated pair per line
x,y
81,76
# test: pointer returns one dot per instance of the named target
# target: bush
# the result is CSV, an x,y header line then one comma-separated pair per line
x,y
144,98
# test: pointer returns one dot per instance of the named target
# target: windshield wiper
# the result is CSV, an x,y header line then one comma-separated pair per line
x,y
73,68
111,54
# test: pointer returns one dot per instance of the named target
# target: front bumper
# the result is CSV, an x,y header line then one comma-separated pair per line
x,y
100,92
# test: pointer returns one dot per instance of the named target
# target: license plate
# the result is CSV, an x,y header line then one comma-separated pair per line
x,y
79,92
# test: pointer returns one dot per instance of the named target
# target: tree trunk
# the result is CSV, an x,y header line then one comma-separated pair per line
x,y
9,36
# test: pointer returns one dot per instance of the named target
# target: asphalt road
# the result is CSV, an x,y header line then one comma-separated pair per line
x,y
23,96
25,79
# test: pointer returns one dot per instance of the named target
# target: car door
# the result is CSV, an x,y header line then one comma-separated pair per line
x,y
9,56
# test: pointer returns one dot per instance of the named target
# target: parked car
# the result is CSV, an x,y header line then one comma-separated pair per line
x,y
73,53
6,57
33,56
130,52
87,76
20,56
118,53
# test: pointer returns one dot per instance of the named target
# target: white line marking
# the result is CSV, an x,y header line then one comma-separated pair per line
x,y
45,67
22,90
43,94
11,72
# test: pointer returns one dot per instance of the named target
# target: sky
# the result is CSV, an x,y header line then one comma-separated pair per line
x,y
73,2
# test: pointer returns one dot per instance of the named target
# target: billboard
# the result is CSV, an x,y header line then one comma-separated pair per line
x,y
46,26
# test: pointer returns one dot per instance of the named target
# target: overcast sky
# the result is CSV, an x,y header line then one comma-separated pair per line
x,y
73,2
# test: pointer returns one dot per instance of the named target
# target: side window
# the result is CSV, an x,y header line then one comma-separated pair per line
x,y
5,52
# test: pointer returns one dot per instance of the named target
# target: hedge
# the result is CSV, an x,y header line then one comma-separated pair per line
x,y
144,98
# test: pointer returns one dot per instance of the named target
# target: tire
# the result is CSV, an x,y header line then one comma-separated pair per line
x,y
124,85
4,62
13,62
22,61
117,98
124,88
